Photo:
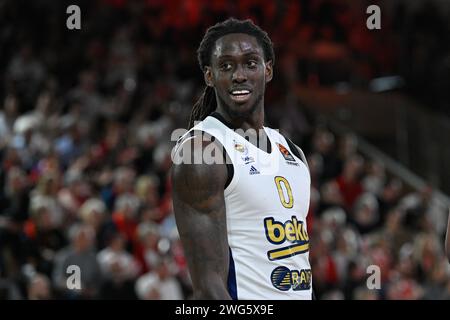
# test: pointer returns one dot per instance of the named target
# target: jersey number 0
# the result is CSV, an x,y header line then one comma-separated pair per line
x,y
289,203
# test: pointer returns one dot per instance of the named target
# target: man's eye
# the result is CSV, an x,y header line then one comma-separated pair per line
x,y
225,66
252,64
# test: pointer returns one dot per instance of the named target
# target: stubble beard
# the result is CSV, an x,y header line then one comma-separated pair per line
x,y
242,114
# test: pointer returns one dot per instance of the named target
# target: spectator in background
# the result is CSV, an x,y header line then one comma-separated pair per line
x,y
86,93
80,253
349,181
147,191
331,198
94,213
390,195
16,198
125,217
375,178
324,145
365,214
119,269
347,147
44,236
161,283
8,116
356,277
147,250
45,194
27,71
39,288
436,286
392,232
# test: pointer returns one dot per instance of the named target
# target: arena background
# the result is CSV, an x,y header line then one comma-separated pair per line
x,y
86,119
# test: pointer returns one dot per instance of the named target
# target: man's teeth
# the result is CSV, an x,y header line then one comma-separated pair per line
x,y
239,92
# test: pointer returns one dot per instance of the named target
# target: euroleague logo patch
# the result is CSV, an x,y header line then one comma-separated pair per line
x,y
287,155
284,279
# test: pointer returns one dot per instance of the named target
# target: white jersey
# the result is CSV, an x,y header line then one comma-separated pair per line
x,y
266,203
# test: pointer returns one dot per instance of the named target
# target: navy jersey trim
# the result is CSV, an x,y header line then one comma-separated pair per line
x,y
232,287
295,150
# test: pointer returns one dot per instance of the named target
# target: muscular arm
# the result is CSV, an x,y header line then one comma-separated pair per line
x,y
199,207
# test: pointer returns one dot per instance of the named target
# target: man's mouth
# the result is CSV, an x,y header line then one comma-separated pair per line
x,y
240,95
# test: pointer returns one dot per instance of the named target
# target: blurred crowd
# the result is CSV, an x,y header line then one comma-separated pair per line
x,y
364,216
85,138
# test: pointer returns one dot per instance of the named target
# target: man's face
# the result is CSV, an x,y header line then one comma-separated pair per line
x,y
239,74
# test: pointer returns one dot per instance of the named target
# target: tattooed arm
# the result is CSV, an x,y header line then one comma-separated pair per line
x,y
198,199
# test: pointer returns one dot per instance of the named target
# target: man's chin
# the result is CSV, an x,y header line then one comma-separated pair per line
x,y
242,110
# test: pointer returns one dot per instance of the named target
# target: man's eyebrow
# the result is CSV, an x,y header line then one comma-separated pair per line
x,y
228,56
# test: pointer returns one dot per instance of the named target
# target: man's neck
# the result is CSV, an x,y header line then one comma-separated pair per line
x,y
258,137
254,120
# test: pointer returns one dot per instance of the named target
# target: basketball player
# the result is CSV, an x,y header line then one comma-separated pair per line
x,y
242,221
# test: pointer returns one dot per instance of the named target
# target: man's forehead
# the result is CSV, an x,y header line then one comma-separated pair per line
x,y
236,44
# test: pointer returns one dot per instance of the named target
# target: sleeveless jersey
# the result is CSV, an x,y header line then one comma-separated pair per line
x,y
266,202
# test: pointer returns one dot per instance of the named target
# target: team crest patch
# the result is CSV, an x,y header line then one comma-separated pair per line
x,y
244,151
240,147
285,152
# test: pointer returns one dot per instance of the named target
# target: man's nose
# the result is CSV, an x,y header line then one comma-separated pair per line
x,y
239,74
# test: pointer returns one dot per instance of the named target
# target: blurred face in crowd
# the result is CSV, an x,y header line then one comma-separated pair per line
x,y
49,182
147,191
392,191
348,145
315,162
44,219
84,239
377,169
323,141
39,289
353,167
150,240
163,269
149,214
118,243
239,74
393,221
16,180
44,102
95,219
153,294
10,105
366,215
124,180
331,193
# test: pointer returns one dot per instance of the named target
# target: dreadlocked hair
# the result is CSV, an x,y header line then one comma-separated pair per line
x,y
207,103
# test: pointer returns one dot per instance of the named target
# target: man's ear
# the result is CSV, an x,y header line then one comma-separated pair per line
x,y
269,71
208,76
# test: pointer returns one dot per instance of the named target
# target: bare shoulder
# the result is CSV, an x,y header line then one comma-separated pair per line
x,y
195,177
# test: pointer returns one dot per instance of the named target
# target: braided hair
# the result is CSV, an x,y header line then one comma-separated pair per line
x,y
206,104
